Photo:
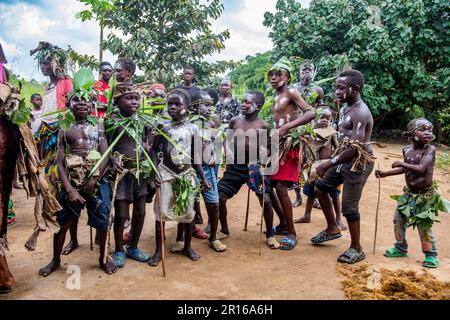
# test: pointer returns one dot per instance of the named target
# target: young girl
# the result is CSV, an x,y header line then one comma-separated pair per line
x,y
178,165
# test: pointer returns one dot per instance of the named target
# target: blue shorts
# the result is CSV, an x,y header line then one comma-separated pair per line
x,y
212,195
98,208
308,190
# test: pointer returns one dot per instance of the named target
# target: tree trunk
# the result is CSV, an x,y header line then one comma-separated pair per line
x,y
438,130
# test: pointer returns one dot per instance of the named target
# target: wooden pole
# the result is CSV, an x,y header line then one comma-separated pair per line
x,y
100,54
247,212
262,215
376,214
90,234
161,226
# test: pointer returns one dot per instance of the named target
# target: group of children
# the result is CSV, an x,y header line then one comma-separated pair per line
x,y
330,157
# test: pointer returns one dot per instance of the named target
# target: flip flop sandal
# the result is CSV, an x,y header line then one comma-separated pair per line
x,y
394,253
119,259
137,254
351,256
323,236
177,247
217,246
287,244
272,243
5,290
430,262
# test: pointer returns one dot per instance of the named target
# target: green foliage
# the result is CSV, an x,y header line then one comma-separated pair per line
x,y
404,58
163,36
28,87
183,190
82,60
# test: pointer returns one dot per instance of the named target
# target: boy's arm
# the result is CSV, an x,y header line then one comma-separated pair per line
x,y
384,174
426,161
198,168
308,113
72,194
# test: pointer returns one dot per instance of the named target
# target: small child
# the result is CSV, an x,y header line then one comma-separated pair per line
x,y
420,202
322,147
175,168
79,148
35,118
132,187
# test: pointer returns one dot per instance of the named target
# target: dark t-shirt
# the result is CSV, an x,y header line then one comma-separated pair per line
x,y
190,90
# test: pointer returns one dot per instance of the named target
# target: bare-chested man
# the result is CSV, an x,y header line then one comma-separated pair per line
x,y
313,95
354,130
286,115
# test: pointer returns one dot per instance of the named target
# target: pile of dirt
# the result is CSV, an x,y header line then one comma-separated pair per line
x,y
368,282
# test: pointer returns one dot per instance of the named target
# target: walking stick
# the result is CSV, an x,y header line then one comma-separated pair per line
x,y
376,214
262,215
162,232
246,213
108,236
90,233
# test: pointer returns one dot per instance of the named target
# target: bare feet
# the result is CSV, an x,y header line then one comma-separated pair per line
x,y
189,252
71,246
6,278
341,225
50,268
304,219
109,267
154,260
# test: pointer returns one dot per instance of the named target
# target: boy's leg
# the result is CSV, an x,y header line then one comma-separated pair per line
x,y
188,251
73,243
276,205
137,222
198,212
282,193
334,194
308,209
223,212
298,196
154,260
58,242
109,267
121,208
268,214
180,232
429,248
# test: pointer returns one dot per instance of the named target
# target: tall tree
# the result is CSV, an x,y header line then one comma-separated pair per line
x,y
400,46
163,36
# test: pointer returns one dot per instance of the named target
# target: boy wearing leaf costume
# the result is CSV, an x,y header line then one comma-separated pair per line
x,y
286,111
127,135
79,148
179,164
420,203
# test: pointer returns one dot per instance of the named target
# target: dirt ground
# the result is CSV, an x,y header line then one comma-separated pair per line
x,y
307,272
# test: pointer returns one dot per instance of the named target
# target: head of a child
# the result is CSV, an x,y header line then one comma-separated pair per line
x,y
178,103
80,105
106,71
252,102
306,72
420,130
124,69
158,92
325,117
127,98
36,100
349,84
202,103
188,75
225,87
280,73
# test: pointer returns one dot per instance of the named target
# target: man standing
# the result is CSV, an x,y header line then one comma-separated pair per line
x,y
188,81
101,86
351,166
227,107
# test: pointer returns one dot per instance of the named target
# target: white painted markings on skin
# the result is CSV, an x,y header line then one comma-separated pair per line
x,y
280,123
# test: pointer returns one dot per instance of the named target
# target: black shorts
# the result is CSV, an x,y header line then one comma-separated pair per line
x,y
237,174
353,184
130,190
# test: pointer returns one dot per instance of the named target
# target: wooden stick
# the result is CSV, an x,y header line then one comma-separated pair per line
x,y
262,215
248,207
376,214
90,233
161,226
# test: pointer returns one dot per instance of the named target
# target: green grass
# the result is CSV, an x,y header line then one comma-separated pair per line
x,y
28,88
443,161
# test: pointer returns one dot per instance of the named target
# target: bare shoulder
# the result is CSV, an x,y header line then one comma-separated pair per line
x,y
430,150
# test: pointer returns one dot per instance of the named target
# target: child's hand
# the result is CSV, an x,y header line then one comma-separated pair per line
x,y
117,167
206,184
379,174
88,188
75,197
397,164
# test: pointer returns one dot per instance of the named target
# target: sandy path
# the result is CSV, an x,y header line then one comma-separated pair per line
x,y
308,272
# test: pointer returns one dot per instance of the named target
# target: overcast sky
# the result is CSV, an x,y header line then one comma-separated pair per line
x,y
23,23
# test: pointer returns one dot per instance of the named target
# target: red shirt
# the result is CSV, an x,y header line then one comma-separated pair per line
x,y
101,86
